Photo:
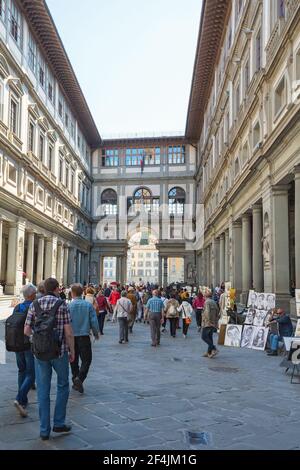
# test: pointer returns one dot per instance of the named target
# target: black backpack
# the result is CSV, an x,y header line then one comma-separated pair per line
x,y
15,340
45,343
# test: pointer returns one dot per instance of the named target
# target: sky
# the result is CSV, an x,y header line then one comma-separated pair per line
x,y
133,59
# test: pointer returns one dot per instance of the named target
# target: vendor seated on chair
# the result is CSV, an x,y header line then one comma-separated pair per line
x,y
285,328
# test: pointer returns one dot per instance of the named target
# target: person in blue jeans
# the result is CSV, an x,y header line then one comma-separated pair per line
x,y
43,369
25,359
285,328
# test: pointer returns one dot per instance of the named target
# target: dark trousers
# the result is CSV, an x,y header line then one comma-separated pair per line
x,y
26,375
123,329
198,312
207,336
83,350
173,326
154,320
101,319
185,326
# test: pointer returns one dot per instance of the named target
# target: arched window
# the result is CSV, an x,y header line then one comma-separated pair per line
x,y
176,201
109,202
142,197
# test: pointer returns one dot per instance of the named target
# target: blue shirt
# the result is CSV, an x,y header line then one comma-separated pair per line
x,y
83,318
155,305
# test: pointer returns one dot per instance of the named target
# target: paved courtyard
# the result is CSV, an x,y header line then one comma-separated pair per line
x,y
138,397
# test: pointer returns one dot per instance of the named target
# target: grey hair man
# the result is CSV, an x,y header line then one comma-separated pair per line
x,y
41,290
25,359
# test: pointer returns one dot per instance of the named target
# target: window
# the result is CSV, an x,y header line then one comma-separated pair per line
x,y
59,209
140,264
61,170
66,214
280,97
237,100
14,111
30,188
110,157
247,75
176,201
109,202
72,130
236,167
41,71
134,157
78,143
148,264
72,218
2,8
15,23
49,202
141,255
41,147
31,53
256,134
40,195
148,255
142,199
66,120
72,181
50,91
60,108
12,174
258,50
50,157
31,134
67,173
245,154
176,154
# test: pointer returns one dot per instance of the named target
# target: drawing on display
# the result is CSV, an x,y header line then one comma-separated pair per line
x,y
233,335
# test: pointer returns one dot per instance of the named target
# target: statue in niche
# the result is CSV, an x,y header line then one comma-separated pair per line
x,y
266,240
20,253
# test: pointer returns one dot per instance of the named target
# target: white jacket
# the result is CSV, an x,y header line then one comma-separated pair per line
x,y
185,309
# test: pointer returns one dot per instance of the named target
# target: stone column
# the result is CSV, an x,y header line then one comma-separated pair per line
x,y
280,245
222,258
101,270
60,264
237,256
50,257
118,270
160,270
226,266
297,226
165,271
71,266
65,267
258,283
40,259
14,277
246,256
215,261
30,256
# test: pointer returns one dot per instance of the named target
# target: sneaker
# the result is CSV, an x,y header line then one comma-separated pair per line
x,y
121,342
77,385
154,345
64,428
214,352
21,409
272,353
44,438
184,336
205,354
163,330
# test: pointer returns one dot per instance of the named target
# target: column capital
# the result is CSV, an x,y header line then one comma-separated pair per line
x,y
237,223
257,208
296,171
246,217
280,189
222,236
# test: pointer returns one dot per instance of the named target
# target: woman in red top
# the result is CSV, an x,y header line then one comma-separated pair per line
x,y
198,306
114,297
102,310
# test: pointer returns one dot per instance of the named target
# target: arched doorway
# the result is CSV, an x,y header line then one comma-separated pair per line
x,y
142,259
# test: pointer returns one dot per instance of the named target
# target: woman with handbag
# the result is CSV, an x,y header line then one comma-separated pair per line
x,y
171,312
186,311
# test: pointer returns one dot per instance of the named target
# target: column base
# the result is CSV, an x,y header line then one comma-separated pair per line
x,y
11,289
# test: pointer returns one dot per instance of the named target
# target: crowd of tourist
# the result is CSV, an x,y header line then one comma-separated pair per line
x,y
57,324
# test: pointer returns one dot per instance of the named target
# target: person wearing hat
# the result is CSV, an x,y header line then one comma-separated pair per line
x,y
210,319
132,297
285,328
122,312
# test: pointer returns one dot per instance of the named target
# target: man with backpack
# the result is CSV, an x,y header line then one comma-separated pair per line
x,y
18,343
48,322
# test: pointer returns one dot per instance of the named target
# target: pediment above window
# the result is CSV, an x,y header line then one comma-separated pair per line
x,y
33,109
4,69
44,124
16,85
52,135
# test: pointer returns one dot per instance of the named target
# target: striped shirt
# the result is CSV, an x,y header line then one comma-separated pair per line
x,y
155,305
62,318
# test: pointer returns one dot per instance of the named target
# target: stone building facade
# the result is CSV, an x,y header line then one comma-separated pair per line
x,y
246,124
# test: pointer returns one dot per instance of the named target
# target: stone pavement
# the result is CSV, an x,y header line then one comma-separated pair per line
x,y
139,397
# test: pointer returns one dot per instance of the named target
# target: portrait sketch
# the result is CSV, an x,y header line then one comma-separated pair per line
x,y
250,315
297,295
298,310
260,336
233,335
261,301
247,336
259,318
270,301
297,331
252,299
